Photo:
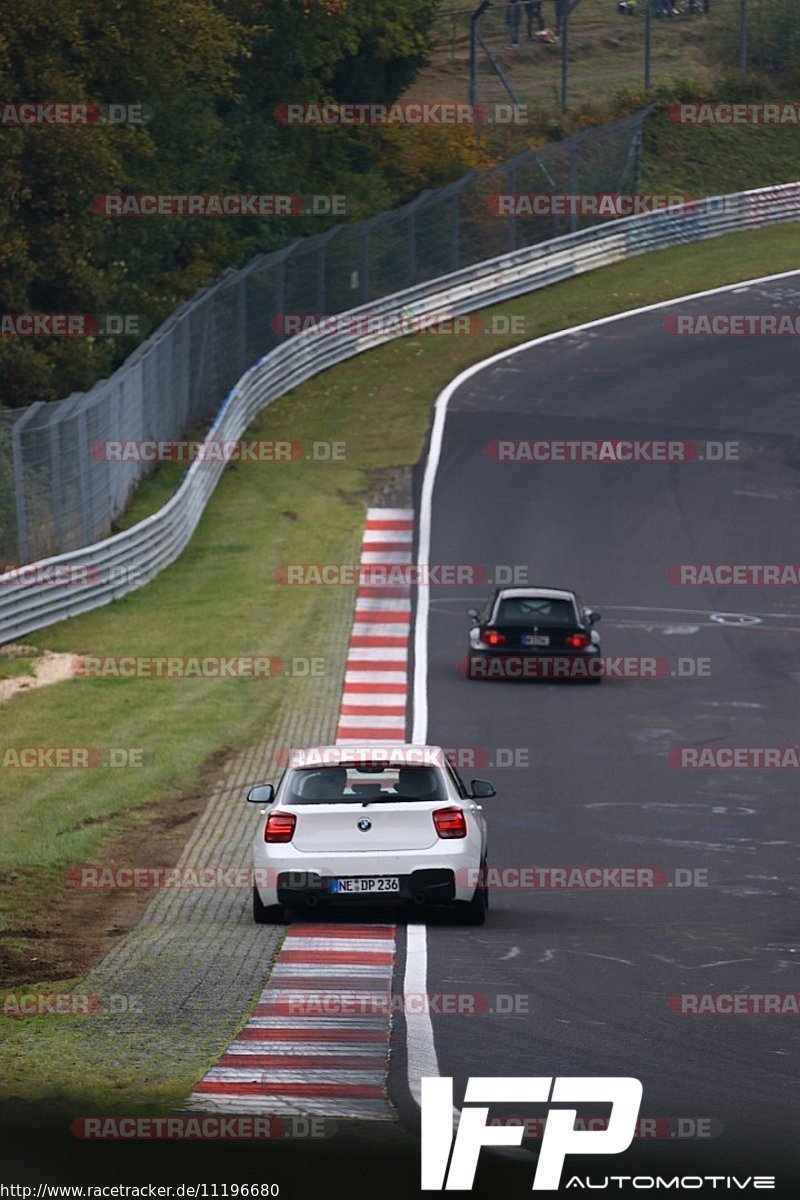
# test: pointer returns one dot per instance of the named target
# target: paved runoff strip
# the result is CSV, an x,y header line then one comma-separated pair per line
x,y
318,1040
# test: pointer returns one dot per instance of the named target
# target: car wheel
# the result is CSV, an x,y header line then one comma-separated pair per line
x,y
473,912
267,914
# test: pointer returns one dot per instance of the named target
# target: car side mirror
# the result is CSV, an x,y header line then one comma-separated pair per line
x,y
474,613
481,789
592,616
263,793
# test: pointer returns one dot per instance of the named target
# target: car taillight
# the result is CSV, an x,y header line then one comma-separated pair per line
x,y
279,827
450,822
576,641
492,638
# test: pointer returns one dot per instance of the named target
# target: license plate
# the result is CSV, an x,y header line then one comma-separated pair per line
x,y
535,639
365,883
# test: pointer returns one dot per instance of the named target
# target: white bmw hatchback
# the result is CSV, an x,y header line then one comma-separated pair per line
x,y
349,826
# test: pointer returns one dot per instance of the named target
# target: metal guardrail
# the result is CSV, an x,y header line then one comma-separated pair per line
x,y
72,583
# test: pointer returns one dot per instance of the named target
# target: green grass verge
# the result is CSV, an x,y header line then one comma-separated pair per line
x,y
11,668
714,160
221,597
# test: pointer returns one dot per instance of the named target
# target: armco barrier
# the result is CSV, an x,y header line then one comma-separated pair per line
x,y
130,559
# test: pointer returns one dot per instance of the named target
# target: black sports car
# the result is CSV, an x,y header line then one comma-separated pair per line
x,y
534,633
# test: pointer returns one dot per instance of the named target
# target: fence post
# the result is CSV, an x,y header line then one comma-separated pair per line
x,y
363,267
648,42
83,477
55,482
473,50
411,213
241,316
564,6
23,545
574,182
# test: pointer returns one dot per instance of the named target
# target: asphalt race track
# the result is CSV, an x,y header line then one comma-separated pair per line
x,y
595,969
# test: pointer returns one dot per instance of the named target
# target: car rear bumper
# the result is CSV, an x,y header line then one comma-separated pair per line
x,y
591,651
306,889
535,662
443,872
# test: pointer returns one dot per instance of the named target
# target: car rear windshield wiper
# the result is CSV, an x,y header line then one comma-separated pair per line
x,y
396,799
363,801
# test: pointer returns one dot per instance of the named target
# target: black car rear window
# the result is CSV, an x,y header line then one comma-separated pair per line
x,y
527,610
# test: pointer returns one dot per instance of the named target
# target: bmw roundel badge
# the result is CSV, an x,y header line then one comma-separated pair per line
x,y
365,825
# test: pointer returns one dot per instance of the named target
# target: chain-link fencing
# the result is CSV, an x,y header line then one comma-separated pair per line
x,y
61,487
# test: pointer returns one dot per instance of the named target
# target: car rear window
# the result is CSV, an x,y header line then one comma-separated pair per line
x,y
526,610
354,785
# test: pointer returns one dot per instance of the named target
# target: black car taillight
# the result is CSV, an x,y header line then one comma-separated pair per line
x,y
576,641
492,638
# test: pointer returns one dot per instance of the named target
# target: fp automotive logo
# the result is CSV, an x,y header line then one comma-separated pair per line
x,y
560,1136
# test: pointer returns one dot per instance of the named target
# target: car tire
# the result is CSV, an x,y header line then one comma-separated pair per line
x,y
473,912
267,914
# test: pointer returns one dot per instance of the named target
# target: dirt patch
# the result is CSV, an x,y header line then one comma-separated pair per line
x,y
48,666
386,487
67,930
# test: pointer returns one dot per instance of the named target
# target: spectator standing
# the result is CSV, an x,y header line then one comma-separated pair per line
x,y
513,19
533,10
